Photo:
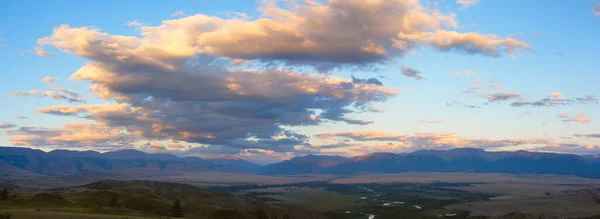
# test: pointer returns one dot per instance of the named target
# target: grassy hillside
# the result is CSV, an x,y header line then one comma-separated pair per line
x,y
140,199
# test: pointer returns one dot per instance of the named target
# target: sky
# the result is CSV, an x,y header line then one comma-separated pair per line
x,y
269,80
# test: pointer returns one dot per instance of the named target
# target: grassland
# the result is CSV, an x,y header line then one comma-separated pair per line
x,y
488,194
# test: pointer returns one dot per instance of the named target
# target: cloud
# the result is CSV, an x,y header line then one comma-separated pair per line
x,y
72,135
557,99
155,145
565,117
596,9
7,125
589,99
430,121
359,143
134,23
175,147
497,97
348,33
175,81
62,94
373,81
49,79
20,117
411,73
592,135
472,43
459,103
177,14
371,135
41,52
476,87
466,73
464,4
526,114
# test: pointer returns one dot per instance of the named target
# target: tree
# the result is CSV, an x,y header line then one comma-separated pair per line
x,y
176,210
261,213
4,194
114,201
286,216
274,216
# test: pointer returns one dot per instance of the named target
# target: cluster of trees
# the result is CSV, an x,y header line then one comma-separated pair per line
x,y
4,194
262,214
177,210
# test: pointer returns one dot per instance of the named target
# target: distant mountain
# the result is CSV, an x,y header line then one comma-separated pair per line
x,y
231,161
24,161
454,160
306,164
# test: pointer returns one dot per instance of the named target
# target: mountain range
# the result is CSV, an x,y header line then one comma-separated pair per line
x,y
22,161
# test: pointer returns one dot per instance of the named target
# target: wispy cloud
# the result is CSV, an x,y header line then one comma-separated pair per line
x,y
582,118
557,99
411,73
49,79
177,14
134,23
501,96
464,4
591,135
61,95
41,52
7,125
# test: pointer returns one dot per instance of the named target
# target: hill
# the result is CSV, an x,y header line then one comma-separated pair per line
x,y
149,199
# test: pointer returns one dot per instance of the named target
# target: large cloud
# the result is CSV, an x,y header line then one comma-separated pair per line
x,y
166,93
189,79
323,35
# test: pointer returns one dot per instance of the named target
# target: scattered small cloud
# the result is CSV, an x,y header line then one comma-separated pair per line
x,y
596,9
134,23
558,99
7,125
461,104
526,114
20,117
501,96
476,86
465,73
430,121
60,94
565,117
591,135
464,4
41,52
411,73
177,14
49,79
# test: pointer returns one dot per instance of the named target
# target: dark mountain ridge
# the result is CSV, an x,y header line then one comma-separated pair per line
x,y
116,163
137,163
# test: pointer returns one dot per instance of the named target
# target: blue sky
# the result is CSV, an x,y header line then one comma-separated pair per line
x,y
561,57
